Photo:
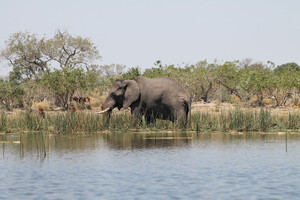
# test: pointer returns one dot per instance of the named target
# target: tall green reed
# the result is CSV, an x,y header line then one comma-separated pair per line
x,y
3,122
76,122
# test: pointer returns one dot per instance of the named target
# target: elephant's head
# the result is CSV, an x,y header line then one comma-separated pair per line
x,y
121,95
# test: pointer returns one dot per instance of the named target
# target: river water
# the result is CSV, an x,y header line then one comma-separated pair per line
x,y
145,166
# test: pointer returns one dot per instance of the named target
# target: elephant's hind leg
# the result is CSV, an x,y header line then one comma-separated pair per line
x,y
149,118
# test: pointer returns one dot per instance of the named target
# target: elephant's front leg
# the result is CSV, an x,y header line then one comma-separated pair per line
x,y
181,117
137,116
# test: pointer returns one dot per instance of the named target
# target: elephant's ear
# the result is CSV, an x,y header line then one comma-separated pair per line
x,y
132,92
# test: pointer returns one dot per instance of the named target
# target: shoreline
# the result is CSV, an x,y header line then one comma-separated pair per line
x,y
204,119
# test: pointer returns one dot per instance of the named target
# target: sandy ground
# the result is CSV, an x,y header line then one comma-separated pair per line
x,y
217,107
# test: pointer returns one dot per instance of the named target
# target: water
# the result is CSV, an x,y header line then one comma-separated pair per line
x,y
139,166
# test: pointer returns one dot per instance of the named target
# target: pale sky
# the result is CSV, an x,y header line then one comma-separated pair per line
x,y
139,32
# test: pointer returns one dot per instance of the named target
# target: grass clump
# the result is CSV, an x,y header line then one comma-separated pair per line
x,y
3,122
244,120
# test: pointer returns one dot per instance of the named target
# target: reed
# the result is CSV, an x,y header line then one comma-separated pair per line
x,y
3,122
244,120
84,122
293,121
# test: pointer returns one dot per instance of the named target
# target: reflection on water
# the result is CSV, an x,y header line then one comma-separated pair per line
x,y
141,141
40,144
150,166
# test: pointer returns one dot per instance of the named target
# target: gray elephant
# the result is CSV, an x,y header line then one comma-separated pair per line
x,y
157,98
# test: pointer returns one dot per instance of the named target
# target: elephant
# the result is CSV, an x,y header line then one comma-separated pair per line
x,y
154,98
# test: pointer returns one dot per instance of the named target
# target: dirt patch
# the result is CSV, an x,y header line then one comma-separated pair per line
x,y
216,107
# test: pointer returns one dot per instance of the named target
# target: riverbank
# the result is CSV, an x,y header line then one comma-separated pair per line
x,y
205,117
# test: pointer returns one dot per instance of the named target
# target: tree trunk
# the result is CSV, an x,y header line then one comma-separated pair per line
x,y
205,92
260,99
231,90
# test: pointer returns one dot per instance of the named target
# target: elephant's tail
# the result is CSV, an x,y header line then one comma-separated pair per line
x,y
190,112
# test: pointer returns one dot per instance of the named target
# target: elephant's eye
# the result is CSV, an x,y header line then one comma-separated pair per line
x,y
112,94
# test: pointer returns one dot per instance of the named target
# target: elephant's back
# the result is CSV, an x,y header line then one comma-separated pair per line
x,y
165,83
163,87
173,86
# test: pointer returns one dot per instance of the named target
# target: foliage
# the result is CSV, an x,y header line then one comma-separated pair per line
x,y
56,68
281,85
64,82
29,55
254,79
10,94
56,63
131,73
227,75
107,74
34,91
288,67
198,79
158,71
24,53
69,51
204,80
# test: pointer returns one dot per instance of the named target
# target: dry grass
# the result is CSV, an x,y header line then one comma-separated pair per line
x,y
211,108
46,105
96,102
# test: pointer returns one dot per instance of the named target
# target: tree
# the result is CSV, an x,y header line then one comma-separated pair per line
x,y
131,73
288,66
68,51
57,63
64,82
227,75
205,75
34,91
254,80
282,84
10,94
286,81
23,51
197,79
16,74
107,74
29,55
158,71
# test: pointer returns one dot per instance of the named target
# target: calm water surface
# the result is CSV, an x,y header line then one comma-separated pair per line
x,y
143,166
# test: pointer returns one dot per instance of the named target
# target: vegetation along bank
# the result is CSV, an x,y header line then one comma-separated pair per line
x,y
61,73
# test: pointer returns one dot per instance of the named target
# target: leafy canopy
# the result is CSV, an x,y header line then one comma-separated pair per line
x,y
29,55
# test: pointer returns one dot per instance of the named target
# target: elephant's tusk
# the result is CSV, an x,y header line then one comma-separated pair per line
x,y
103,111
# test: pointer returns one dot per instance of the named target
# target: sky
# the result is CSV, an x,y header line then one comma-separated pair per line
x,y
140,32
